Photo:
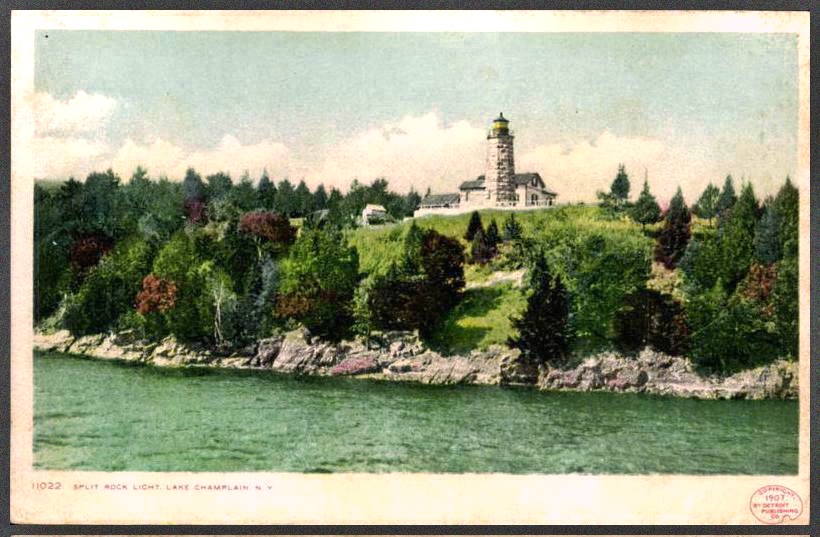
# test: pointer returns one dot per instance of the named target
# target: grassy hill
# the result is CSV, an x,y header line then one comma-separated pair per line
x,y
483,317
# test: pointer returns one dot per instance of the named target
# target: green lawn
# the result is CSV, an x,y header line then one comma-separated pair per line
x,y
481,319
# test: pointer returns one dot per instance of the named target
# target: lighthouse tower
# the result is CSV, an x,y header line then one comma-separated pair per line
x,y
500,167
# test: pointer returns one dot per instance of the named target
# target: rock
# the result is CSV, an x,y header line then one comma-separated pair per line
x,y
86,344
298,355
59,341
356,365
266,352
514,369
113,348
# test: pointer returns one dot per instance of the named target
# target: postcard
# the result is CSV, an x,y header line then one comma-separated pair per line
x,y
485,267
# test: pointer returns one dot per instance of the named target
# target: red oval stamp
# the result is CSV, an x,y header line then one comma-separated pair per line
x,y
774,504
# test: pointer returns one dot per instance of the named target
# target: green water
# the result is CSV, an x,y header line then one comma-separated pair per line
x,y
94,415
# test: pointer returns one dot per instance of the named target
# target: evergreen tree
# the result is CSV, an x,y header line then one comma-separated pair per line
x,y
768,247
192,186
320,198
646,210
543,335
492,235
219,184
512,229
304,199
265,192
738,238
620,185
707,204
786,205
480,250
727,197
286,198
473,226
675,234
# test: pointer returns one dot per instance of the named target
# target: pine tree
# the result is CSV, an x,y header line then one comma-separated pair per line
x,y
620,185
480,250
768,246
646,210
543,335
738,237
493,237
727,197
512,229
707,204
786,205
473,226
265,192
675,234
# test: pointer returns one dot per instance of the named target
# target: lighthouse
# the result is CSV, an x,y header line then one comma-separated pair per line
x,y
500,164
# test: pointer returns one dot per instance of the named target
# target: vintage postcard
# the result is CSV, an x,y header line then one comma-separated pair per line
x,y
410,267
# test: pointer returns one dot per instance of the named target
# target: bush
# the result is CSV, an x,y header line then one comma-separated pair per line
x,y
473,226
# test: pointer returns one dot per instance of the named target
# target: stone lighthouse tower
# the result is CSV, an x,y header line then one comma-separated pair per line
x,y
500,167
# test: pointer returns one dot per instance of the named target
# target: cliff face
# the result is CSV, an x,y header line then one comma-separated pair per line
x,y
403,357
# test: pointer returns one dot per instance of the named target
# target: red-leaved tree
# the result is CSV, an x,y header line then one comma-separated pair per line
x,y
156,294
267,227
86,251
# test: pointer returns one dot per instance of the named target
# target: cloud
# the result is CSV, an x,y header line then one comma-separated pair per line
x,y
83,113
416,151
64,157
578,170
161,157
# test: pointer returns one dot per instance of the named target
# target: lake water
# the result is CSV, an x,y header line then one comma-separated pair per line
x,y
96,415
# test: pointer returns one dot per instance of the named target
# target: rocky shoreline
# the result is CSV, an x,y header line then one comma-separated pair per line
x,y
401,356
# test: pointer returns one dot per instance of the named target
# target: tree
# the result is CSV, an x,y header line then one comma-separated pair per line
x,y
480,250
707,204
543,328
786,205
675,234
473,226
512,229
649,317
768,246
266,192
646,210
219,184
192,186
738,238
319,277
286,202
269,230
304,199
727,197
493,238
620,185
320,198
155,295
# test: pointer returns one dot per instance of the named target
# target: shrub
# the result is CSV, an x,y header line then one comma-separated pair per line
x,y
268,229
156,295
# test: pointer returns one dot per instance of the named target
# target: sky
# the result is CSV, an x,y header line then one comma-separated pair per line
x,y
677,109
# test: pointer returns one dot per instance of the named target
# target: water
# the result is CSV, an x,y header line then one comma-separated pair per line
x,y
95,415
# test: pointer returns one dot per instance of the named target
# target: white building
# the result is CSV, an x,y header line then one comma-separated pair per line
x,y
373,214
499,188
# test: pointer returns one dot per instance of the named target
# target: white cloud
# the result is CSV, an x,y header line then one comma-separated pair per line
x,y
161,157
84,112
578,170
63,157
416,151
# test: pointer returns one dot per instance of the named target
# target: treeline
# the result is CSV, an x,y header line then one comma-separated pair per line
x,y
205,260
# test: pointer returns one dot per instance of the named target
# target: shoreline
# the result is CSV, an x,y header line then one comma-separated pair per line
x,y
404,358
